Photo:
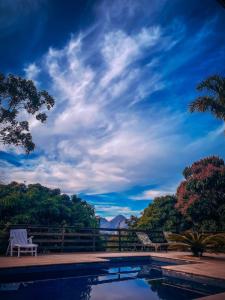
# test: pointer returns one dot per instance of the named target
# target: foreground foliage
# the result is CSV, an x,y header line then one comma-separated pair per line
x,y
197,243
162,215
36,204
20,98
214,99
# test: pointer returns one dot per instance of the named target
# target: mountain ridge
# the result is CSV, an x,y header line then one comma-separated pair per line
x,y
117,222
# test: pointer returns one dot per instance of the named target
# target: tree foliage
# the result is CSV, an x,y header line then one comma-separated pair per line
x,y
199,203
214,99
201,196
19,98
162,215
36,204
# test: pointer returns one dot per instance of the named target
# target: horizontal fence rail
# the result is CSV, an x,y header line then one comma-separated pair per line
x,y
71,239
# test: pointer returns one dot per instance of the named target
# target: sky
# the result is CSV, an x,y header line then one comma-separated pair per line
x,y
122,74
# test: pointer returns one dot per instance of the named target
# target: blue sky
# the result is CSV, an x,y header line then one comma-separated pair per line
x,y
122,74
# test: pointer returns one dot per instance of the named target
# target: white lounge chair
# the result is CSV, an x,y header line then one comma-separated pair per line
x,y
167,235
20,242
147,243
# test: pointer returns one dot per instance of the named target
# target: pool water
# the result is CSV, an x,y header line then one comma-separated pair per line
x,y
121,281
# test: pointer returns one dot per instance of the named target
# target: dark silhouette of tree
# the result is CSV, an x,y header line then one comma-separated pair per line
x,y
20,97
214,99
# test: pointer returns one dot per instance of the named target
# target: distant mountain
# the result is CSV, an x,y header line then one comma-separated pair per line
x,y
103,223
117,222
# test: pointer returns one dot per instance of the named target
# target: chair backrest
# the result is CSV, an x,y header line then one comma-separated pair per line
x,y
144,238
18,236
167,235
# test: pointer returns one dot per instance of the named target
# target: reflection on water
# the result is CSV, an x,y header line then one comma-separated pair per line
x,y
117,283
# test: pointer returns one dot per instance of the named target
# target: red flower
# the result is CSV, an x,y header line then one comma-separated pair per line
x,y
201,172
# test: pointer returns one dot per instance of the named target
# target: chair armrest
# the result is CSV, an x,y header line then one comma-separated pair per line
x,y
30,239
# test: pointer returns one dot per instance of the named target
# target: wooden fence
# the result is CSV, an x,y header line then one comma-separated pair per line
x,y
66,239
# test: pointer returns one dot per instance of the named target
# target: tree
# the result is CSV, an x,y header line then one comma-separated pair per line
x,y
37,204
162,215
19,97
214,100
132,221
201,196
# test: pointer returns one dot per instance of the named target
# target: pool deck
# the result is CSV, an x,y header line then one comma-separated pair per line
x,y
211,266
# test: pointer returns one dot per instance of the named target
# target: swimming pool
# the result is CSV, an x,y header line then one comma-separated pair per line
x,y
113,281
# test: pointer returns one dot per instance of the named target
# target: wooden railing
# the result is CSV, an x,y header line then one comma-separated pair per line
x,y
66,239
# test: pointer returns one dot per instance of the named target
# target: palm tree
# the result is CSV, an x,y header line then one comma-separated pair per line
x,y
214,100
197,243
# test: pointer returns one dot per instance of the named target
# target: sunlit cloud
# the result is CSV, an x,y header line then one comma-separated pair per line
x,y
151,194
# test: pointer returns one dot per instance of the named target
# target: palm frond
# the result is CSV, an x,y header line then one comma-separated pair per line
x,y
197,242
214,100
203,104
211,84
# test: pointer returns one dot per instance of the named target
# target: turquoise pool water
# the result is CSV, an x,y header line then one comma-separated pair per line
x,y
120,281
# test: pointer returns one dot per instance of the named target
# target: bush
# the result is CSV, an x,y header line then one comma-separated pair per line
x,y
198,243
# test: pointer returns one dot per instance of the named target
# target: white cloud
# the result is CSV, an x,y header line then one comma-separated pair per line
x,y
149,36
119,50
151,194
32,72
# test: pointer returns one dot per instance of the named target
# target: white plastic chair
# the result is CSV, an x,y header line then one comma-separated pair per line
x,y
20,242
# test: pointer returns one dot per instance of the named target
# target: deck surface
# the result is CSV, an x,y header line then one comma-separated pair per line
x,y
209,266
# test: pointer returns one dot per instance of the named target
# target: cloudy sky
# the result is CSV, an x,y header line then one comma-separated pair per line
x,y
122,74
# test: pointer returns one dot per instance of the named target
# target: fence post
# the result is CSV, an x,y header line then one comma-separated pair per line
x,y
94,241
119,239
63,238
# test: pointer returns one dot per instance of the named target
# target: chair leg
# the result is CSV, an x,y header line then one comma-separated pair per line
x,y
11,251
35,251
18,253
7,251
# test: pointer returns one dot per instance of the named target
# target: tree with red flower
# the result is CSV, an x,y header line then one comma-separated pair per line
x,y
201,196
